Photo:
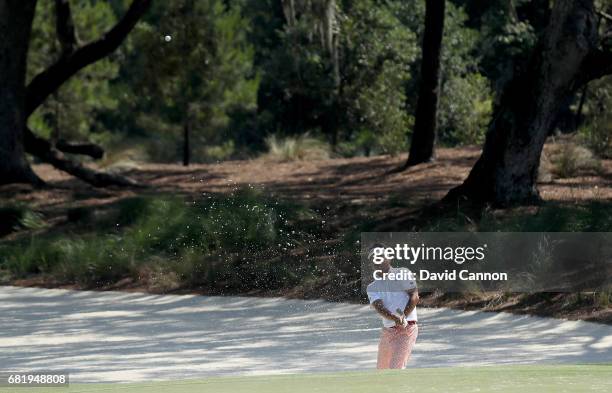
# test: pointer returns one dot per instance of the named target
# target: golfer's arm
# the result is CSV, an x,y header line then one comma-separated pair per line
x,y
380,308
414,300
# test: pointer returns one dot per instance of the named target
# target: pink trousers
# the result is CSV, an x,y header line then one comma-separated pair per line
x,y
395,346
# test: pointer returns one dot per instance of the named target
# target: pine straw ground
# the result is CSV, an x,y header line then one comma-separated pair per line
x,y
365,184
350,192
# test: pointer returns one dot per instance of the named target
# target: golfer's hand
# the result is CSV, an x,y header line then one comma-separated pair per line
x,y
400,321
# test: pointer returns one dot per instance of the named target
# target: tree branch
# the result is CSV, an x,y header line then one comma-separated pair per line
x,y
64,27
45,83
42,149
83,148
604,15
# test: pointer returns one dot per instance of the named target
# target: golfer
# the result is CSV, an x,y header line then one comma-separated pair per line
x,y
395,301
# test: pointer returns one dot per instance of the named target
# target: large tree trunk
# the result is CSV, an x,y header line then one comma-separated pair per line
x,y
422,147
15,27
564,59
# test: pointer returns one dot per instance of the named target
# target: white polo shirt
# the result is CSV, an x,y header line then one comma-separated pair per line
x,y
393,295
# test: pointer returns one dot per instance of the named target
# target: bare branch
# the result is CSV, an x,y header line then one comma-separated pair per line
x,y
45,83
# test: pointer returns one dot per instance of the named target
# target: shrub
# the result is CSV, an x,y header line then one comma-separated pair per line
x,y
597,135
465,110
216,153
602,299
194,241
16,216
568,159
596,132
298,148
366,142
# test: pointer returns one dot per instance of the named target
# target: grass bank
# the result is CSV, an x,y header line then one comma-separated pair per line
x,y
236,242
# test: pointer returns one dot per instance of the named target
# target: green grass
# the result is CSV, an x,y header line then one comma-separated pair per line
x,y
14,217
519,379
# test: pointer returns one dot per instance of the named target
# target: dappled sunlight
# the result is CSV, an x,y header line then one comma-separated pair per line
x,y
114,336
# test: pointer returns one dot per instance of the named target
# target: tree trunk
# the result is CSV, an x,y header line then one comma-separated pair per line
x,y
186,145
73,59
332,43
17,102
422,147
15,27
506,172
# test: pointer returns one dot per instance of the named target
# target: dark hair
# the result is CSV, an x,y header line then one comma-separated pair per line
x,y
373,247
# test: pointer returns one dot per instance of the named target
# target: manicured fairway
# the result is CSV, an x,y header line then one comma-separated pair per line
x,y
520,379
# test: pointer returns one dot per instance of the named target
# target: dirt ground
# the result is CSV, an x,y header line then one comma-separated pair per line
x,y
366,183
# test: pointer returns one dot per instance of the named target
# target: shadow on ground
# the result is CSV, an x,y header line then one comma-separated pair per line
x,y
116,336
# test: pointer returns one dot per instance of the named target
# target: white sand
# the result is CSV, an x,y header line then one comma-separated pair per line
x,y
116,336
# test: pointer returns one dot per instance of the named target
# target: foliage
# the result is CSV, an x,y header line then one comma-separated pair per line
x,y
509,31
568,159
240,71
292,148
195,69
74,111
597,135
378,56
596,132
466,104
297,86
18,216
466,97
141,231
299,92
